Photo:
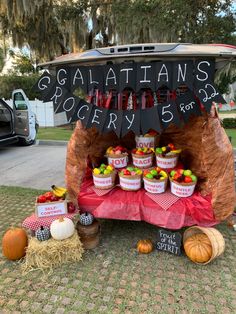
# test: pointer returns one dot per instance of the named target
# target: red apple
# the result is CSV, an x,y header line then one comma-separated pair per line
x,y
126,172
188,179
41,199
48,196
71,207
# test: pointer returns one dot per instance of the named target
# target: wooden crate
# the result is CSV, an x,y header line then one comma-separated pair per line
x,y
51,209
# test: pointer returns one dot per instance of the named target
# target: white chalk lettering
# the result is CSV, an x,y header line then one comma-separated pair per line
x,y
57,94
127,73
95,116
130,121
205,76
68,101
145,67
43,86
112,77
186,107
80,77
180,72
112,121
81,108
63,80
165,73
91,79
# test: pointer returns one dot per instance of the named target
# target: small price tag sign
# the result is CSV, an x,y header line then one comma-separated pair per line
x,y
50,209
169,241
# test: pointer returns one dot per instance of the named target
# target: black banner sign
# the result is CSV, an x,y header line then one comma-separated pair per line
x,y
104,83
168,114
163,75
188,106
95,78
69,104
150,120
145,76
97,118
127,76
64,77
131,122
169,241
44,84
82,112
204,70
183,74
57,94
111,77
79,78
113,121
207,93
136,76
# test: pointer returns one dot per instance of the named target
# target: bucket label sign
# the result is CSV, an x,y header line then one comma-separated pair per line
x,y
119,162
169,241
142,141
166,163
145,162
102,182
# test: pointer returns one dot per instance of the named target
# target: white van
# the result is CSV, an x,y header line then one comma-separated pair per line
x,y
19,123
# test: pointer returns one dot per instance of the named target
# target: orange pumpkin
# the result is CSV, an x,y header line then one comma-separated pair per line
x,y
198,248
14,243
144,246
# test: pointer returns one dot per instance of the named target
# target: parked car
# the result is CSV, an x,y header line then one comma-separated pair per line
x,y
19,123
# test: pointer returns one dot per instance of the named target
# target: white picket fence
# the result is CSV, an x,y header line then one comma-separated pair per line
x,y
44,113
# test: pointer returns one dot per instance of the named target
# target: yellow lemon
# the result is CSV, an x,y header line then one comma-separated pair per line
x,y
96,171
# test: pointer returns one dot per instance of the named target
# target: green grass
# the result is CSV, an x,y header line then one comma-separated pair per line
x,y
64,134
232,133
57,134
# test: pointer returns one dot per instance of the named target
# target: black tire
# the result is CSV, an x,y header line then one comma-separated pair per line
x,y
24,142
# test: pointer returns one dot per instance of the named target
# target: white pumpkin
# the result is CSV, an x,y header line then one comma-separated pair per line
x,y
62,228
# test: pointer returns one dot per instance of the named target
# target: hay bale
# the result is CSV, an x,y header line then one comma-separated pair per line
x,y
48,254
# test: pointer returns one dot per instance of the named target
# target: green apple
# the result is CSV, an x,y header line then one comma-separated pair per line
x,y
149,176
107,171
103,166
158,150
130,169
193,177
153,172
187,173
172,173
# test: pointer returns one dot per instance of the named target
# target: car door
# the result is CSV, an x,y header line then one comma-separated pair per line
x,y
21,113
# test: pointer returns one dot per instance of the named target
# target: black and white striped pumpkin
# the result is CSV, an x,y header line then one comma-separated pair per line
x,y
43,233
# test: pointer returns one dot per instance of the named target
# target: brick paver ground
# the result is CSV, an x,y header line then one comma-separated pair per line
x,y
113,278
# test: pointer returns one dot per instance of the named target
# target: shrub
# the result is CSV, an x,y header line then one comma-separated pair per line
x,y
10,82
229,123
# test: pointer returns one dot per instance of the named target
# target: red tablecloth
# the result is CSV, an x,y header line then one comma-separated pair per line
x,y
33,222
124,205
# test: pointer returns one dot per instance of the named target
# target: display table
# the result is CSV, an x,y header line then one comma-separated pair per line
x,y
138,206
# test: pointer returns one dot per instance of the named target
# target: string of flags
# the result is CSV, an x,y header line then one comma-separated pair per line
x,y
135,84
